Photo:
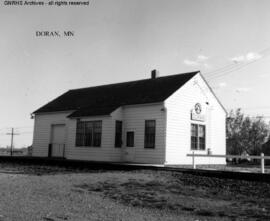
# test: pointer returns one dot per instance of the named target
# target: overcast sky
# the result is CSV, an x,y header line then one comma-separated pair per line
x,y
123,40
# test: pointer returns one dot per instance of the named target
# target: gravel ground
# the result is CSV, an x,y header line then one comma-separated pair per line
x,y
56,197
54,194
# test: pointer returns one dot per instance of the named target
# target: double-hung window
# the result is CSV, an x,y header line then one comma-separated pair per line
x,y
88,133
197,137
118,134
150,134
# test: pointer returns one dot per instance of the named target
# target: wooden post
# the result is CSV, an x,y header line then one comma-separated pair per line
x,y
193,161
11,144
262,162
49,150
64,149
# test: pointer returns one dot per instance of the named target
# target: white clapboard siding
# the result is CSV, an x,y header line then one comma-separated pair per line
x,y
106,152
178,107
134,119
42,131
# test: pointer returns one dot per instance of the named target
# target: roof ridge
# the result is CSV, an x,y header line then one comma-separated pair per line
x,y
125,82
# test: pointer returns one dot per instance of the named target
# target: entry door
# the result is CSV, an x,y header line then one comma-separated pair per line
x,y
58,140
129,146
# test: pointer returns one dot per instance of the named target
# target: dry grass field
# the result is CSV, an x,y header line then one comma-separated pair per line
x,y
54,194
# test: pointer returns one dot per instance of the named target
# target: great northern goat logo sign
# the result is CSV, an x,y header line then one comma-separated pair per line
x,y
196,113
198,108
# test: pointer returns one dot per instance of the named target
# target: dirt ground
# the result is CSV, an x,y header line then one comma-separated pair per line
x,y
54,194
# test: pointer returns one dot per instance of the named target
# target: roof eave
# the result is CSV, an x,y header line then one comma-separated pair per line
x,y
51,112
213,93
78,117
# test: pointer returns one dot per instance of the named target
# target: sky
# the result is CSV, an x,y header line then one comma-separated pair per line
x,y
123,40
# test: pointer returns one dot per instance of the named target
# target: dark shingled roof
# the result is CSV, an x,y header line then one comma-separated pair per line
x,y
102,100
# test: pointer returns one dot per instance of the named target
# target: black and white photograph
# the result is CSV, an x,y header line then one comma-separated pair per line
x,y
134,110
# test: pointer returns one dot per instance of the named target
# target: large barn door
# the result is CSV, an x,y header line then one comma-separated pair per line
x,y
58,140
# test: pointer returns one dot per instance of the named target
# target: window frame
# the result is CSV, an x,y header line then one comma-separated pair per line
x,y
198,139
97,133
120,138
90,138
80,133
148,143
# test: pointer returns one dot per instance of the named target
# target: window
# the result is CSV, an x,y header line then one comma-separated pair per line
x,y
201,137
194,136
80,134
88,133
150,134
197,137
97,133
118,134
130,139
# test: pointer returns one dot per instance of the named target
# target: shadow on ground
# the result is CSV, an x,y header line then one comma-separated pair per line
x,y
178,193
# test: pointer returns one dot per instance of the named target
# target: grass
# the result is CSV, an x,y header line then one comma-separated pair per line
x,y
53,194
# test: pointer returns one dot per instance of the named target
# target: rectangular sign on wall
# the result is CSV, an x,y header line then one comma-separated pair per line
x,y
197,117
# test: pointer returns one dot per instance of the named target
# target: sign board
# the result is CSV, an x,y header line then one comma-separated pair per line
x,y
197,113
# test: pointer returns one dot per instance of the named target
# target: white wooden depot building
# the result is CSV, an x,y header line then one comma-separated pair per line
x,y
154,121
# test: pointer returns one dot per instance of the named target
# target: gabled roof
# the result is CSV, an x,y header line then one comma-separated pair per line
x,y
102,100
